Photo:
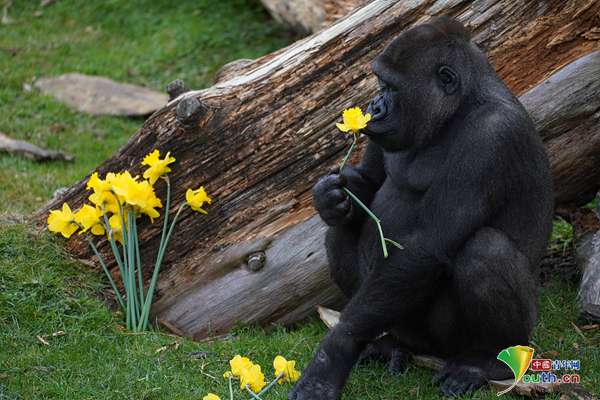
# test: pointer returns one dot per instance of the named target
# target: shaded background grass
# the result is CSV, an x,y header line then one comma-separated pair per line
x,y
43,291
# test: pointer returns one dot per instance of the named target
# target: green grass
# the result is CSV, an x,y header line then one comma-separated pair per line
x,y
43,291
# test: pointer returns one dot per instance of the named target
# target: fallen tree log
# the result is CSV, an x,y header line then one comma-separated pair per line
x,y
259,140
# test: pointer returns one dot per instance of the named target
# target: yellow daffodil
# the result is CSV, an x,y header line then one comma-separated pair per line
x,y
211,396
238,364
103,197
196,198
116,226
62,221
89,218
287,368
157,166
138,194
252,377
353,120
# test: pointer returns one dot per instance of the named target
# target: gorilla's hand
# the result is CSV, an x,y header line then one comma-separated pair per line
x,y
330,200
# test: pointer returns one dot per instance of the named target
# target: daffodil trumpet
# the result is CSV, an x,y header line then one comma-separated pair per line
x,y
117,202
354,121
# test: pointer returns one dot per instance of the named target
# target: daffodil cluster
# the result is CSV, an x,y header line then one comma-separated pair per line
x,y
252,379
115,203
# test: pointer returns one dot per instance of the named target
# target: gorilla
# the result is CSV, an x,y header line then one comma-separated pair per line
x,y
458,175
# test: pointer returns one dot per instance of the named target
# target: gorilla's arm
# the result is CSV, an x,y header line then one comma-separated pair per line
x,y
334,205
365,179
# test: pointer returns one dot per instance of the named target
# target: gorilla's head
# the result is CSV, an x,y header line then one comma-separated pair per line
x,y
424,76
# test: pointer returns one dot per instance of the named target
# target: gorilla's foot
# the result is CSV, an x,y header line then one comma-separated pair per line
x,y
309,388
387,349
459,379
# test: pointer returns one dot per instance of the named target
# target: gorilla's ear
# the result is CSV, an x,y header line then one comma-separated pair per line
x,y
449,79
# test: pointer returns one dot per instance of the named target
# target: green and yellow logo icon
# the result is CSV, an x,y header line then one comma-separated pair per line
x,y
518,359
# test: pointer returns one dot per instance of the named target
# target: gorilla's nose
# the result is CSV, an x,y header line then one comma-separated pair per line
x,y
377,108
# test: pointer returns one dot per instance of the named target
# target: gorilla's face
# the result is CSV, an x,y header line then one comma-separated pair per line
x,y
420,89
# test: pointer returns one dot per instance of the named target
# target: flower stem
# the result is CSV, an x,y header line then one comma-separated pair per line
x,y
393,242
230,390
108,275
270,385
113,245
254,395
374,218
131,265
159,258
347,156
138,262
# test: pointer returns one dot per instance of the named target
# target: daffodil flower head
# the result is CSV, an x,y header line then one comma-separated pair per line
x,y
62,221
211,396
287,369
116,225
196,198
252,377
353,120
139,194
88,218
238,364
157,166
103,197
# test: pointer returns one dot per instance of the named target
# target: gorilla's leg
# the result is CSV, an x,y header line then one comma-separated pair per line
x,y
496,297
341,243
389,293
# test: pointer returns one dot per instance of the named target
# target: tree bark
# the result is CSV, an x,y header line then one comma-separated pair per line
x,y
259,140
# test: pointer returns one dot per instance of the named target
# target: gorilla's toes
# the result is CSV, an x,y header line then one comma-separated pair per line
x,y
309,389
456,380
398,363
387,349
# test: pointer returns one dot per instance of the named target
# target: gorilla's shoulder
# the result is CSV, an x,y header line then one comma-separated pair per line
x,y
498,124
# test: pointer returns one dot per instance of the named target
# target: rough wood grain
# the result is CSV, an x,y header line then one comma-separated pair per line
x,y
259,140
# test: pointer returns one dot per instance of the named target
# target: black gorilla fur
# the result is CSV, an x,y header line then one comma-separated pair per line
x,y
458,175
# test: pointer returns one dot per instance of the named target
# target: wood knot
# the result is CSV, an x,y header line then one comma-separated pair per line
x,y
189,111
256,261
176,88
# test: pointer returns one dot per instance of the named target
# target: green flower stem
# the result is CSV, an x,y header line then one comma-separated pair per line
x,y
138,263
254,395
113,245
271,384
373,217
128,289
393,242
347,156
230,389
159,258
131,270
108,275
